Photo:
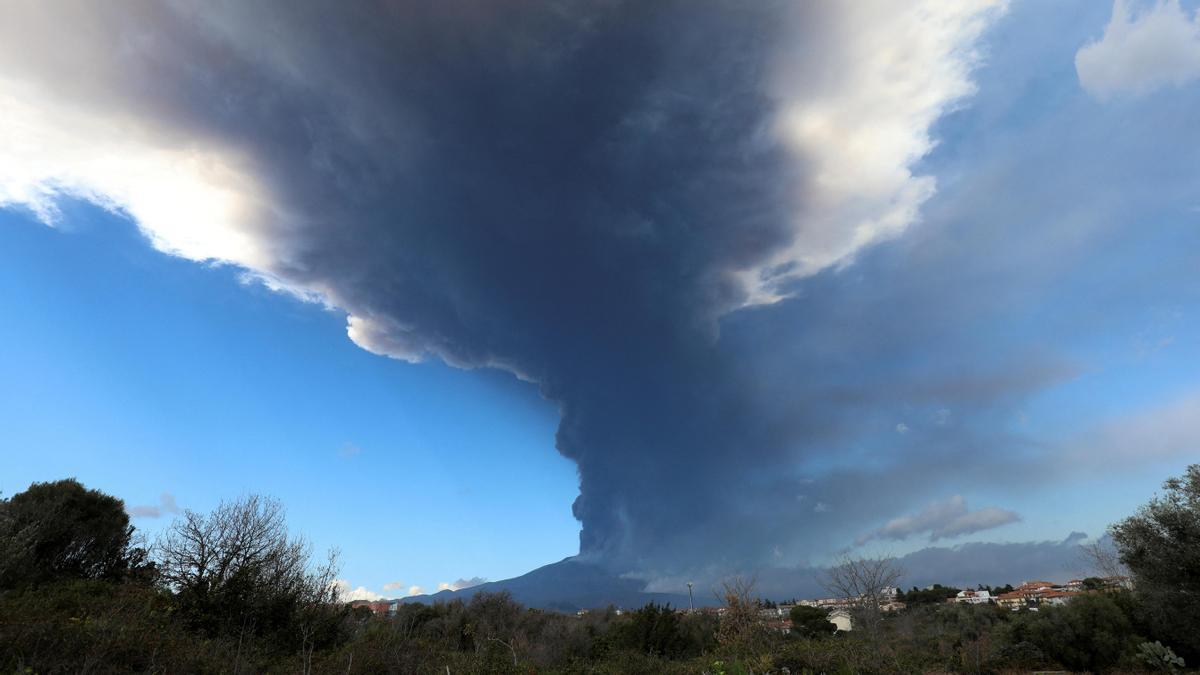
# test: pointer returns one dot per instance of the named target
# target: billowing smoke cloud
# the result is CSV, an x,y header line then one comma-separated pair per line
x,y
666,215
571,198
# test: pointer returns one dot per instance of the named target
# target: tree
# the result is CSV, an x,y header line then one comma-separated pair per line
x,y
1160,545
936,594
741,629
1090,633
811,621
237,571
494,620
62,530
865,584
1103,557
654,630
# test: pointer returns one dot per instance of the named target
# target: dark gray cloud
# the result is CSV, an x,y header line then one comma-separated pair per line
x,y
964,566
598,199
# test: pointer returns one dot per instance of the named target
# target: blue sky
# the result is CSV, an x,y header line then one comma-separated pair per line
x,y
472,293
139,373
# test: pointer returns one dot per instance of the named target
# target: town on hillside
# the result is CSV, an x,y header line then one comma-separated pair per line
x,y
1027,596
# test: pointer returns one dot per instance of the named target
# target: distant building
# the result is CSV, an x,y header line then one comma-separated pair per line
x,y
772,612
973,597
841,619
1118,582
378,607
826,602
1053,597
780,625
1033,594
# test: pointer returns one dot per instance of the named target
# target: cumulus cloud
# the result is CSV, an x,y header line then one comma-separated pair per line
x,y
166,506
1141,51
349,594
943,520
460,584
393,585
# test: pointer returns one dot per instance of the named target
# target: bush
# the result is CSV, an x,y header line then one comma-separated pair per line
x,y
1158,657
1092,632
62,530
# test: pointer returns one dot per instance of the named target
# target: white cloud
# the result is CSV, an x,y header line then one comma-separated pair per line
x,y
858,97
348,594
1141,52
393,586
415,590
191,201
902,428
949,518
166,505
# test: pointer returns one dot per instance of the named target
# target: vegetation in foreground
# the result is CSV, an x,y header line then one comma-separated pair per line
x,y
233,592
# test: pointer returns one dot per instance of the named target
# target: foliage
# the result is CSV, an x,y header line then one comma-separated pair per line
x,y
253,600
741,629
864,583
237,572
926,596
1093,632
654,630
1160,545
1159,657
62,530
89,625
811,622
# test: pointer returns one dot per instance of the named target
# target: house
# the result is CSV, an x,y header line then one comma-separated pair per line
x,y
1013,600
841,619
1033,594
783,626
769,613
1052,597
973,597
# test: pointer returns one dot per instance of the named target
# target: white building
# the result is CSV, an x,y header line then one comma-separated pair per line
x,y
973,597
841,619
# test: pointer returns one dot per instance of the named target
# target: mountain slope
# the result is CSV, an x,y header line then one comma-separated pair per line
x,y
567,585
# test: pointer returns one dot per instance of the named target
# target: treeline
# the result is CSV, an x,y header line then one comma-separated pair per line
x,y
233,592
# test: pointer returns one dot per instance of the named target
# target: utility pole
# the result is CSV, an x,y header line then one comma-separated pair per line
x,y
691,602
